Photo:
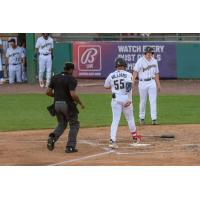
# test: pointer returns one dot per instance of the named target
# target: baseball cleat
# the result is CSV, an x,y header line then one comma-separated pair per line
x,y
136,137
154,122
113,144
41,84
142,122
70,149
50,143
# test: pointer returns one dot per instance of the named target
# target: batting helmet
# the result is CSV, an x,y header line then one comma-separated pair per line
x,y
120,62
149,50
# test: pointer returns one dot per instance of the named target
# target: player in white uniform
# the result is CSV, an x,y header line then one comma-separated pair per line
x,y
1,66
24,74
44,46
120,83
147,71
15,59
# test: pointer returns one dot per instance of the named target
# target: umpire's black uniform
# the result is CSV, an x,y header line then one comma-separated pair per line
x,y
65,109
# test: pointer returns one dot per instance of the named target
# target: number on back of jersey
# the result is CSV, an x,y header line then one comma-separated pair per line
x,y
119,84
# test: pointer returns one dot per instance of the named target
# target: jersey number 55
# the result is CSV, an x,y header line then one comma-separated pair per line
x,y
119,84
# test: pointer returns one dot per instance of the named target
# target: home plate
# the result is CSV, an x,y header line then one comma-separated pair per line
x,y
139,145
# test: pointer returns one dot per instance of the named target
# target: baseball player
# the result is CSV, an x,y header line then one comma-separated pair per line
x,y
147,71
23,49
1,66
15,59
44,46
120,83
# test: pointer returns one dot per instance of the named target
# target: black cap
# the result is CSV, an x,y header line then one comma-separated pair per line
x,y
12,40
149,50
120,62
68,66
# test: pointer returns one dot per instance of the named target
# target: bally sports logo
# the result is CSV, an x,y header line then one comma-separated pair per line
x,y
89,58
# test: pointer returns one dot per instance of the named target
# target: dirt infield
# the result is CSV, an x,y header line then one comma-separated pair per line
x,y
96,86
29,147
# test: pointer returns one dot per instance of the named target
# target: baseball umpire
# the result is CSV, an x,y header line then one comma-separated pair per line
x,y
63,88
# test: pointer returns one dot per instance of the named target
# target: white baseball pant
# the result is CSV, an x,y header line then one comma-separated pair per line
x,y
24,75
117,109
45,63
148,88
15,71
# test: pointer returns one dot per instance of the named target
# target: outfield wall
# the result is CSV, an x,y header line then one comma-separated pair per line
x,y
96,59
176,60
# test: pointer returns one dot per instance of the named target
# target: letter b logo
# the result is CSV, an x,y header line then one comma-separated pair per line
x,y
89,58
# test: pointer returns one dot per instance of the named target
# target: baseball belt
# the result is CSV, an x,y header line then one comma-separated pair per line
x,y
147,79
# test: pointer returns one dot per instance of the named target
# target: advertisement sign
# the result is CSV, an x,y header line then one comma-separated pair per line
x,y
97,59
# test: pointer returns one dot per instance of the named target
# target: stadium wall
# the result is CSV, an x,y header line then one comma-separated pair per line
x,y
95,59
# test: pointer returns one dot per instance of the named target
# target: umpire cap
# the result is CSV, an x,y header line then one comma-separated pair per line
x,y
120,62
68,66
149,50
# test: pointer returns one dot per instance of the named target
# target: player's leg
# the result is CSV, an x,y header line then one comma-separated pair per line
x,y
18,71
116,115
48,70
11,72
153,101
128,113
24,73
41,70
143,100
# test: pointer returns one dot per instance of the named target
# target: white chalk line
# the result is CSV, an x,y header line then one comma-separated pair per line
x,y
148,152
82,158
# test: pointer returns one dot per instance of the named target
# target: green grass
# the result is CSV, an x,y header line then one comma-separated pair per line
x,y
22,112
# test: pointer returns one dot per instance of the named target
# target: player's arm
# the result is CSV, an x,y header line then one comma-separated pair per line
x,y
6,60
157,78
52,52
107,84
52,55
135,72
23,58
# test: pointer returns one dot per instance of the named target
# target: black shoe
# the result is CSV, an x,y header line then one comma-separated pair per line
x,y
70,150
154,122
142,122
50,143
